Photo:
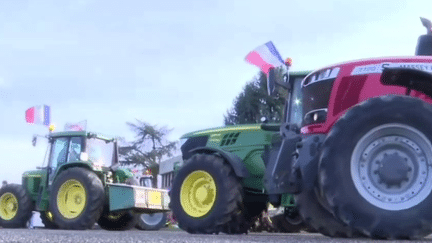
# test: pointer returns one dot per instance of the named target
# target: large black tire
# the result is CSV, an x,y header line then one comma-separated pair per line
x,y
15,206
249,212
152,221
117,221
319,218
47,220
381,149
222,208
88,195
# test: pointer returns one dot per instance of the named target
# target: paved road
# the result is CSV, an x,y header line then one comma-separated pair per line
x,y
96,236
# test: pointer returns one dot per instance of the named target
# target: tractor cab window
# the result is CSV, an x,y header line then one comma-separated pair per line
x,y
296,115
100,151
59,152
74,149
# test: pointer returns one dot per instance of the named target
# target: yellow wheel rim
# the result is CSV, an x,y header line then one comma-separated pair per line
x,y
71,199
198,193
8,206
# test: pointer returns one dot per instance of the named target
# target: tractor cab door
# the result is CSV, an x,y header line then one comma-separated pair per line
x,y
63,150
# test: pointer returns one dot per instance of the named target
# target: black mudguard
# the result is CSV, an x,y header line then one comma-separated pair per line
x,y
235,161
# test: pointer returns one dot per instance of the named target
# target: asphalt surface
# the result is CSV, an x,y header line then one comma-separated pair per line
x,y
164,235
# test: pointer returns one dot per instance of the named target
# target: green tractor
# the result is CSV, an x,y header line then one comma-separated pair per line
x,y
220,186
82,184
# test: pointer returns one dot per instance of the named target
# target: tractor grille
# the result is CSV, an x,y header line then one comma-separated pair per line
x,y
229,139
315,101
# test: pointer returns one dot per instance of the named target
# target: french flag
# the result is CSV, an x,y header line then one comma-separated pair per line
x,y
38,115
265,57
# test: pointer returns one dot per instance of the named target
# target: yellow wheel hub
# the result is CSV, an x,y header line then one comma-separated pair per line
x,y
71,199
198,193
8,206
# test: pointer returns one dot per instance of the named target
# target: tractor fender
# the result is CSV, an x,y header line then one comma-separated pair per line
x,y
413,79
235,161
305,163
64,167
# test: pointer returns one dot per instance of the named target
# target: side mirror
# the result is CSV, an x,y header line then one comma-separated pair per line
x,y
277,78
271,82
34,140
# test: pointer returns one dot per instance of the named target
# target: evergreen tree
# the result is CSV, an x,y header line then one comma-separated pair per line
x,y
149,147
253,103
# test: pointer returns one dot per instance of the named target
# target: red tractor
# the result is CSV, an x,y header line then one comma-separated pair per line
x,y
357,147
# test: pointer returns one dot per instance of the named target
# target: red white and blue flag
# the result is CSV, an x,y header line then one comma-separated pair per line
x,y
39,115
265,57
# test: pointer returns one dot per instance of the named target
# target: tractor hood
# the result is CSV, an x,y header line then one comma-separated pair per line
x,y
217,130
227,138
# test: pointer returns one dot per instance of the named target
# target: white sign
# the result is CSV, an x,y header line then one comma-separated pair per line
x,y
378,68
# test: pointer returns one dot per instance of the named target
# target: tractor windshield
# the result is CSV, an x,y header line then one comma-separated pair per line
x,y
296,110
100,152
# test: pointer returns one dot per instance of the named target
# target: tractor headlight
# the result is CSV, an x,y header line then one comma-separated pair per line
x,y
315,116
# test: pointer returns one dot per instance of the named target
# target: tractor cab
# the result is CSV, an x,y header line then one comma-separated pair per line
x,y
95,150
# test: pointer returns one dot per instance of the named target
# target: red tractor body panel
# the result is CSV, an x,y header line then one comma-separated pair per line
x,y
359,80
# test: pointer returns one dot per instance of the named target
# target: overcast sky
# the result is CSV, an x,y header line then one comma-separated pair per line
x,y
172,63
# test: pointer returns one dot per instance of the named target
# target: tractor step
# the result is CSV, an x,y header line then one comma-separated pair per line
x,y
138,198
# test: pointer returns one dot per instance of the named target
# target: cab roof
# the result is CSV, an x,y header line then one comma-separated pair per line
x,y
79,134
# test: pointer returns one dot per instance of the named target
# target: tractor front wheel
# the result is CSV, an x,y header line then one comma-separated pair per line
x,y
206,197
317,217
77,199
15,206
375,169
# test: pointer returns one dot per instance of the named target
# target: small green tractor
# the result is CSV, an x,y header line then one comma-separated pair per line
x,y
82,184
220,186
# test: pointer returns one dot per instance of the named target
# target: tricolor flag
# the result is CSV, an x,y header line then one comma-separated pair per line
x,y
38,115
265,57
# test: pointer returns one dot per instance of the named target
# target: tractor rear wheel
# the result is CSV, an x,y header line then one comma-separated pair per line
x,y
375,171
47,220
77,199
206,197
15,206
